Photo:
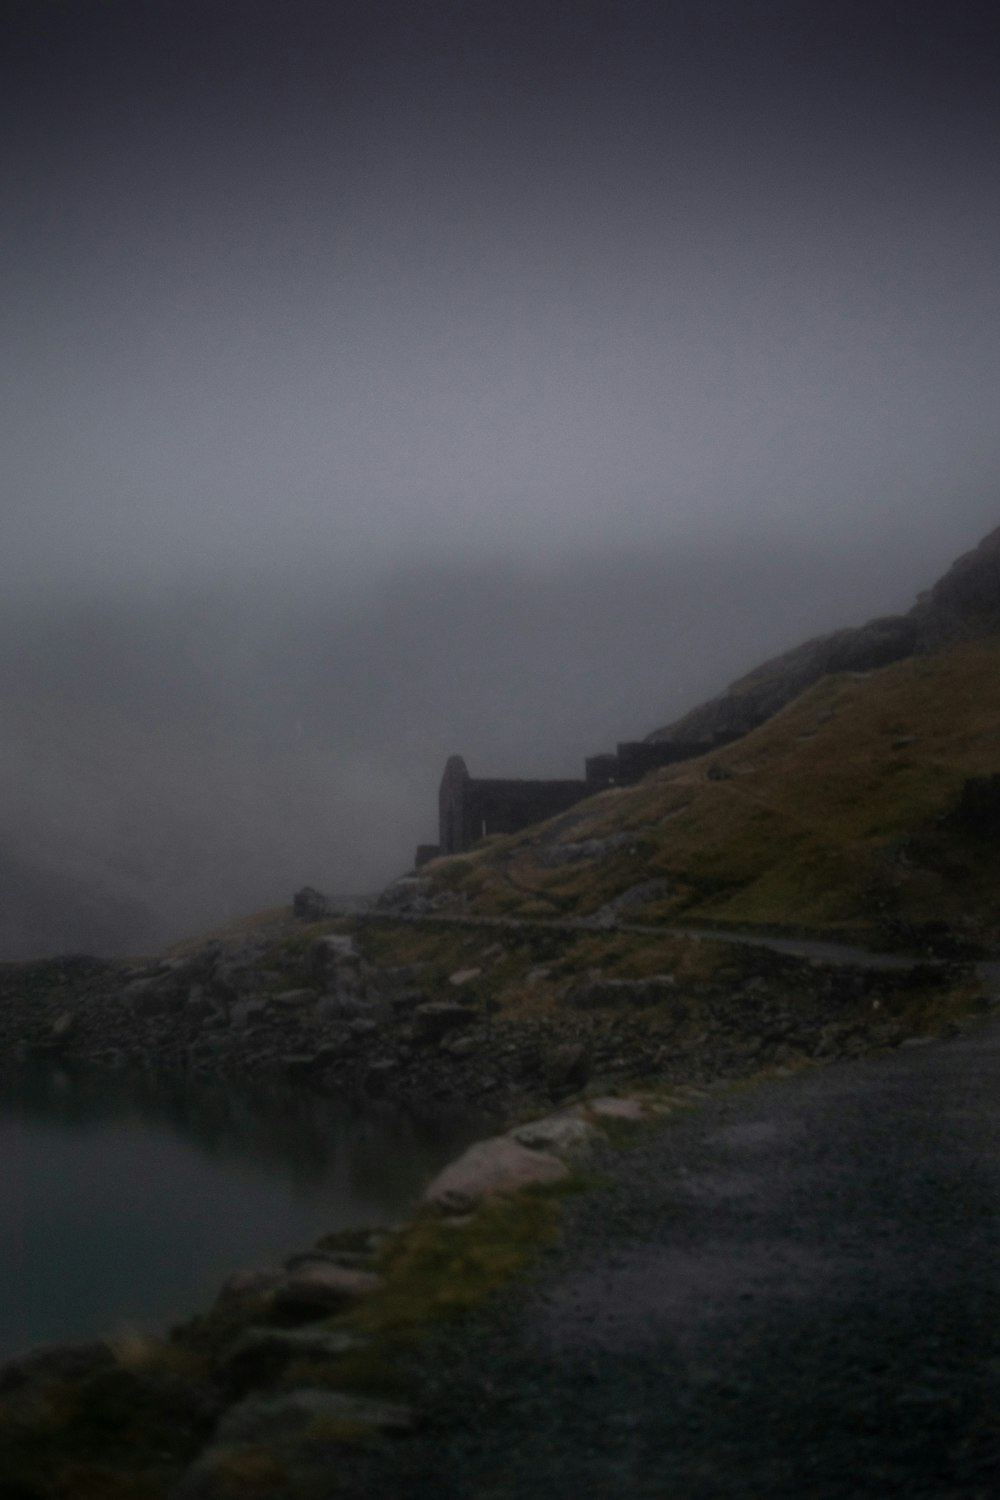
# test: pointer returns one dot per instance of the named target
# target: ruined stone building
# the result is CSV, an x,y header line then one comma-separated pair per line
x,y
471,808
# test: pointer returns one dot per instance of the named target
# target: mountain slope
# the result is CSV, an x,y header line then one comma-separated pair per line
x,y
862,807
964,604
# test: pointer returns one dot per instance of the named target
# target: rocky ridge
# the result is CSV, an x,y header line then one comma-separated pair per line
x,y
964,604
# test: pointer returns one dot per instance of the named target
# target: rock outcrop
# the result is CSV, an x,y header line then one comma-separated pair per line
x,y
963,604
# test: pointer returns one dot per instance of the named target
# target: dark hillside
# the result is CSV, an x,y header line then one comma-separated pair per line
x,y
964,604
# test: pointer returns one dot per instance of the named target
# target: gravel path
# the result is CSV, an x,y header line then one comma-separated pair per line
x,y
793,1291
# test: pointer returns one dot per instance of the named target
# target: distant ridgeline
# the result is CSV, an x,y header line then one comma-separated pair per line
x,y
470,808
963,604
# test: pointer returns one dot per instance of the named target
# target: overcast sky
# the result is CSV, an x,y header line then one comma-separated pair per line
x,y
382,380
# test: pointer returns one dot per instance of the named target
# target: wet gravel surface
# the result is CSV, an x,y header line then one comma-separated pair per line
x,y
793,1290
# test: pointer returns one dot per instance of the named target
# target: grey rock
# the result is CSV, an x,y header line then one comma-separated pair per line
x,y
461,1046
336,953
299,997
492,1168
259,1353
55,1362
341,1006
260,1418
434,1020
564,1135
753,699
636,896
249,1012
320,1286
178,1404
552,856
254,1281
305,1064
567,1066
407,1000
599,993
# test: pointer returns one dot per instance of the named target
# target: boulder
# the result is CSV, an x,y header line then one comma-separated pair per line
x,y
55,1362
493,1168
463,976
249,1012
611,1107
262,1417
564,1135
435,1019
259,1353
567,1066
297,997
321,1286
336,951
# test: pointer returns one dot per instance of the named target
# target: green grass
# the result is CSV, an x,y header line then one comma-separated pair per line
x,y
833,817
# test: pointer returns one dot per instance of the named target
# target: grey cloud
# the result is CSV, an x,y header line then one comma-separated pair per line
x,y
383,380
178,760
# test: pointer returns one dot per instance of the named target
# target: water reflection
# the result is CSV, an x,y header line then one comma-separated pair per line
x,y
124,1200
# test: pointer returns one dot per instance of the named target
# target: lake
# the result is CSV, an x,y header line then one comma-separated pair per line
x,y
126,1201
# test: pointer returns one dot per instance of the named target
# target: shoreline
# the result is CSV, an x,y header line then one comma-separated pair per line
x,y
320,1343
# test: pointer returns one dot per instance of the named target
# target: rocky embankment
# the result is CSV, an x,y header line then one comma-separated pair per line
x,y
295,1366
311,1007
964,604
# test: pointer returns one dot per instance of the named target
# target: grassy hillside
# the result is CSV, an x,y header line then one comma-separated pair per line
x,y
839,815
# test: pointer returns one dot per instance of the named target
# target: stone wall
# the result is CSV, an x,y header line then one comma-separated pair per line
x,y
635,759
470,809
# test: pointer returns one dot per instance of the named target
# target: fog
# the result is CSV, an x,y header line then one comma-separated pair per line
x,y
384,381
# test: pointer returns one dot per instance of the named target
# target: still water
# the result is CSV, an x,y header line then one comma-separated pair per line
x,y
124,1202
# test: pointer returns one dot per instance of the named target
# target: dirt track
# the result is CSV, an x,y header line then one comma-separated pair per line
x,y
794,1291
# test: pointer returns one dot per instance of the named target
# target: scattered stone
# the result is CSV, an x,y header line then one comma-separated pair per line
x,y
461,1046
552,856
252,1282
597,993
274,1447
249,1012
379,1073
463,976
259,1353
611,1107
260,1418
567,1066
636,895
295,997
407,1000
55,1362
336,948
321,1286
435,1019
